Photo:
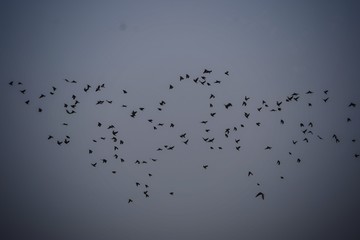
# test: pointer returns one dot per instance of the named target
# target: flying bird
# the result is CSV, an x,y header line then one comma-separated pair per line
x,y
261,195
207,71
228,105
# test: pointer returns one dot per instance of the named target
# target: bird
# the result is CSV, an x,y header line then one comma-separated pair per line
x,y
130,200
171,86
207,71
133,114
268,148
227,73
205,166
261,195
250,174
94,164
171,193
228,105
68,112
352,104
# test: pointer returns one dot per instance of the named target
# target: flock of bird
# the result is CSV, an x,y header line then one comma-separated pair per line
x,y
229,133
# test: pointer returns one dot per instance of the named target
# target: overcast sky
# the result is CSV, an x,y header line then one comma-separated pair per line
x,y
271,50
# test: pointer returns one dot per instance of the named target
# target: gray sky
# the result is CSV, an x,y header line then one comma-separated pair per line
x,y
271,50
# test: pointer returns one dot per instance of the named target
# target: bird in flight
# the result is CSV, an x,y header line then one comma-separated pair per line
x,y
260,194
228,105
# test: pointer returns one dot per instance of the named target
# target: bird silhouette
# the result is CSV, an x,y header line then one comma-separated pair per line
x,y
228,105
133,114
261,195
352,104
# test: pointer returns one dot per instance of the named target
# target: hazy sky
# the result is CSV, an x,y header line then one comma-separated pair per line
x,y
271,50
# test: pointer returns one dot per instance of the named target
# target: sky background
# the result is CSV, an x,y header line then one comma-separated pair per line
x,y
271,50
